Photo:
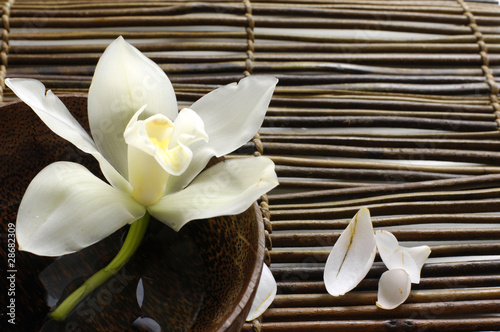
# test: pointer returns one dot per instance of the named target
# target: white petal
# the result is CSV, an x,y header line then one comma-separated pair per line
x,y
66,208
352,255
201,156
395,256
135,133
56,116
226,188
234,113
386,242
189,128
147,177
123,82
419,254
232,116
393,288
266,292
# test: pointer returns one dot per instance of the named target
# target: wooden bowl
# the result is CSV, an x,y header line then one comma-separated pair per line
x,y
202,278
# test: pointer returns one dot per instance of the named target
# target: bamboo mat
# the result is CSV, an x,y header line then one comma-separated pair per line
x,y
390,104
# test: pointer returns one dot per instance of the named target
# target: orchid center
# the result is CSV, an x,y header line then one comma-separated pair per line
x,y
161,145
160,131
159,149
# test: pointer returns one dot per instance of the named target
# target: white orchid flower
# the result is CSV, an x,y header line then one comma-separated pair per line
x,y
152,156
149,163
353,255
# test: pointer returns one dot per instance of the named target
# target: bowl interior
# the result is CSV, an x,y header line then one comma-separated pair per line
x,y
200,279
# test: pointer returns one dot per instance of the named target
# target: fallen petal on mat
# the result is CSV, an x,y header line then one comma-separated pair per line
x,y
352,255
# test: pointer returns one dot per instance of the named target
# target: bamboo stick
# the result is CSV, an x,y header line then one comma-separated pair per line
x,y
267,10
357,48
378,103
481,181
290,79
415,310
369,298
293,60
141,35
405,197
368,325
303,255
132,21
315,239
388,221
487,157
452,269
392,208
318,287
359,174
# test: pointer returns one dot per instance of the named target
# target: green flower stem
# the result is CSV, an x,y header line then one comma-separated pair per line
x,y
130,245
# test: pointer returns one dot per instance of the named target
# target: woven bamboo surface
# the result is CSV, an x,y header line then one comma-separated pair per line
x,y
390,104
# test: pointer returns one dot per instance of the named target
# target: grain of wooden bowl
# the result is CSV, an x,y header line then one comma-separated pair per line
x,y
202,278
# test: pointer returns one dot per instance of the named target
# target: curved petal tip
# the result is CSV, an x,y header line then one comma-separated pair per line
x,y
265,295
393,288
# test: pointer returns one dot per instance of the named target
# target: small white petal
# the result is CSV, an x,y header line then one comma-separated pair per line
x,y
139,293
393,288
395,256
66,208
352,255
387,243
135,133
124,81
189,128
233,113
226,188
56,116
419,254
266,292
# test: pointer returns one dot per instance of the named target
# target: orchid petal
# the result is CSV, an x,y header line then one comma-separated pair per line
x,y
232,115
66,208
226,188
147,177
419,254
395,256
200,159
56,116
352,255
266,292
189,128
393,288
123,82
